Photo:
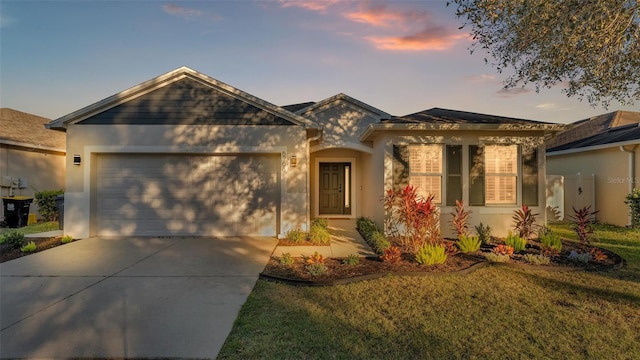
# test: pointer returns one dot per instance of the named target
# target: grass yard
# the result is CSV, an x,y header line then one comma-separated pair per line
x,y
35,228
495,312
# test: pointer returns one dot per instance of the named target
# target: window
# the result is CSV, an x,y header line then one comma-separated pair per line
x,y
425,170
501,173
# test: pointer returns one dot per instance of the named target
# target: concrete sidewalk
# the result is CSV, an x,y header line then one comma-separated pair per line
x,y
128,297
345,240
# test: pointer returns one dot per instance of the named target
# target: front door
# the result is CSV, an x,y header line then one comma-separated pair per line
x,y
335,189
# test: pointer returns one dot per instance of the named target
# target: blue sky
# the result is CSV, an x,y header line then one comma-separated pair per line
x,y
399,56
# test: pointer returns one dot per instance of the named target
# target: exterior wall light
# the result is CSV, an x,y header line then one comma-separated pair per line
x,y
76,159
294,161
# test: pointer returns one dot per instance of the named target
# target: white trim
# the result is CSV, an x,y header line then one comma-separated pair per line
x,y
593,148
324,105
354,180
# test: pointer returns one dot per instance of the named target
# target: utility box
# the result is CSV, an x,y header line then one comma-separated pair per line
x,y
16,210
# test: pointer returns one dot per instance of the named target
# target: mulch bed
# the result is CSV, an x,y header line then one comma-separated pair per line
x,y
370,268
42,243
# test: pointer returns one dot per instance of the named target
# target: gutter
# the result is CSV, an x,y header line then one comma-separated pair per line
x,y
32,146
632,171
592,148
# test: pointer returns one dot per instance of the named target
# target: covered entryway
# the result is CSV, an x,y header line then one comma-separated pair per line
x,y
186,194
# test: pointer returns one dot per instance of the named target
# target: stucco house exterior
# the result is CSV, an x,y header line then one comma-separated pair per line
x,y
32,158
184,154
605,147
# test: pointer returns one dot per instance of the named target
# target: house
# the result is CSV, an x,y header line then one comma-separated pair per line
x,y
32,158
185,154
605,149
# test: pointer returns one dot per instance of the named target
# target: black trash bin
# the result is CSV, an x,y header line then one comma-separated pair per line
x,y
60,206
16,210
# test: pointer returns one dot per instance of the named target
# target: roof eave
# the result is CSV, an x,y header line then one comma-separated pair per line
x,y
32,146
373,128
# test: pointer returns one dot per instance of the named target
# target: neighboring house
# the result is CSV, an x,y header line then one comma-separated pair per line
x,y
184,154
32,158
603,147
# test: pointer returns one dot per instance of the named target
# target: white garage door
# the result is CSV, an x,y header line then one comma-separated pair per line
x,y
189,195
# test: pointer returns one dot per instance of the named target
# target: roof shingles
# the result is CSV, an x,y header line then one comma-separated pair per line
x,y
21,127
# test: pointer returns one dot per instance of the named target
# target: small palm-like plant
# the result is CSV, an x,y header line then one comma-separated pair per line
x,y
460,220
582,221
468,244
524,221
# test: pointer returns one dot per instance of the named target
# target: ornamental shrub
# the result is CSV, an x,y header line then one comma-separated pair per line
x,y
484,233
319,234
29,247
366,226
46,201
316,269
351,260
468,244
431,255
379,242
551,242
322,222
633,200
296,236
515,241
14,239
286,259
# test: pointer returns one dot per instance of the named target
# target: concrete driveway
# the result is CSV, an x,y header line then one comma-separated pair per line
x,y
128,297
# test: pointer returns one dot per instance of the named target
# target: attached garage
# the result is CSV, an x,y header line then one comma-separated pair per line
x,y
186,195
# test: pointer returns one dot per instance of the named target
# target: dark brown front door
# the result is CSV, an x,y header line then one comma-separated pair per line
x,y
335,179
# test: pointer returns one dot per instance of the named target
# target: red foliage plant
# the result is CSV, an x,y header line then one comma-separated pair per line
x,y
460,220
582,221
503,250
391,255
524,221
411,217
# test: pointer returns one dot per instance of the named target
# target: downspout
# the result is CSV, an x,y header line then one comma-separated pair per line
x,y
308,172
632,171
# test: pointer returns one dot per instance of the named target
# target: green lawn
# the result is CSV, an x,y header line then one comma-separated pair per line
x,y
35,228
494,313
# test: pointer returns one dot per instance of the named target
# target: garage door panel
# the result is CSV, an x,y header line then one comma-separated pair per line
x,y
150,195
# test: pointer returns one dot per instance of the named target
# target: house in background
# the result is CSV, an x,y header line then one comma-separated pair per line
x,y
602,153
32,158
185,154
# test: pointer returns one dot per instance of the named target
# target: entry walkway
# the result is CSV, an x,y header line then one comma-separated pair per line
x,y
345,240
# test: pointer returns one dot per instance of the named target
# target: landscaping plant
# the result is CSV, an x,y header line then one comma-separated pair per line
x,y
633,200
316,269
379,242
351,260
469,243
431,254
503,250
537,259
296,236
46,201
316,258
66,239
418,217
497,258
286,259
579,257
29,247
319,234
524,221
322,222
551,243
582,223
515,241
460,219
484,233
391,255
14,239
366,226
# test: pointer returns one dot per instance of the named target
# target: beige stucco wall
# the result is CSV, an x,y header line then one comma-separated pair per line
x,y
89,140
44,170
499,217
612,179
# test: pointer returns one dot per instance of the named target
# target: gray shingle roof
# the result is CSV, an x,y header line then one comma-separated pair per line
x,y
610,128
21,127
445,116
295,107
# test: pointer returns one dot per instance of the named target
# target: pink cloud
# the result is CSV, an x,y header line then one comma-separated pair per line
x,y
436,39
313,5
186,13
384,16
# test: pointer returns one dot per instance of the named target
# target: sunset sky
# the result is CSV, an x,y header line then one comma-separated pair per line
x,y
398,56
